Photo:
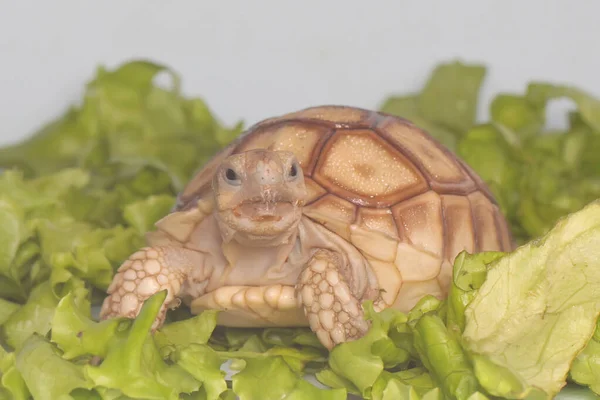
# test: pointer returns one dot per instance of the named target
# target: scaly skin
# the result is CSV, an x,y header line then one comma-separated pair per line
x,y
146,272
334,313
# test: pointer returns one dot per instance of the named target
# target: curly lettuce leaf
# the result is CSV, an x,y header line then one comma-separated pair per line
x,y
34,317
142,214
12,385
248,384
306,391
585,369
589,107
450,95
572,391
444,357
133,363
127,121
90,254
395,342
362,361
550,287
518,114
204,364
10,236
389,387
469,273
40,365
327,377
195,330
76,334
22,202
196,369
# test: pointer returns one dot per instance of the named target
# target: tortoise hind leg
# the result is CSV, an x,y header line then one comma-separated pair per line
x,y
334,312
147,272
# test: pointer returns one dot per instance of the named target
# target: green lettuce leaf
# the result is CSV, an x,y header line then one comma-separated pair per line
x,y
204,364
35,316
469,273
133,363
450,95
327,377
143,214
388,387
518,114
10,236
585,369
249,384
549,287
76,334
444,357
589,107
40,365
126,120
12,385
7,309
362,361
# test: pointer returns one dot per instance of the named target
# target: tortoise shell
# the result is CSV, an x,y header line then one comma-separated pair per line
x,y
386,186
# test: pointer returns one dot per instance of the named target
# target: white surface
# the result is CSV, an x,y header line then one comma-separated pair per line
x,y
254,59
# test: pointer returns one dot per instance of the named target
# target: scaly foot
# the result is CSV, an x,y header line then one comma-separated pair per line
x,y
333,311
144,274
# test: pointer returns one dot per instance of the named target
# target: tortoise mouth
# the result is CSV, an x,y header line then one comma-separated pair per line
x,y
261,211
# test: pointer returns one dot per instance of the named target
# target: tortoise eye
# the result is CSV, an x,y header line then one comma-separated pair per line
x,y
232,177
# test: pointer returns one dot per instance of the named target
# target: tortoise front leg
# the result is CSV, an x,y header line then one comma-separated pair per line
x,y
147,272
334,312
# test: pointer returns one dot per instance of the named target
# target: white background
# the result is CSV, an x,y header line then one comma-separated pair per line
x,y
253,59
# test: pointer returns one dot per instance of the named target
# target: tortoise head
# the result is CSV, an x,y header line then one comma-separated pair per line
x,y
259,196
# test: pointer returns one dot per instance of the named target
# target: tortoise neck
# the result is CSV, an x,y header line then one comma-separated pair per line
x,y
265,241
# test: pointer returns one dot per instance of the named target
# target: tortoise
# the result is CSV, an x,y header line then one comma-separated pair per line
x,y
305,216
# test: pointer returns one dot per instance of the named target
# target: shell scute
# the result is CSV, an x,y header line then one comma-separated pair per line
x,y
458,225
420,222
334,213
302,138
377,219
336,115
314,191
360,166
487,233
416,264
442,170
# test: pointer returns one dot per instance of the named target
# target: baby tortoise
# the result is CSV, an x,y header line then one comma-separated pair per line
x,y
307,215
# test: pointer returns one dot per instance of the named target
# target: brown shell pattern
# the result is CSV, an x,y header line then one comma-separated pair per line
x,y
377,180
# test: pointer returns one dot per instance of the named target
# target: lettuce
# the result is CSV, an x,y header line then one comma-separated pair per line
x,y
77,197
